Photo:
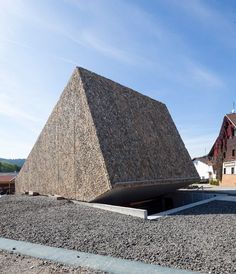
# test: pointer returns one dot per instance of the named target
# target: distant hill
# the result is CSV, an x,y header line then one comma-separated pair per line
x,y
5,168
18,162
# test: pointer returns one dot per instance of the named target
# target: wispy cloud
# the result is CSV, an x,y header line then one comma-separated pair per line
x,y
9,108
205,76
88,38
7,41
199,74
214,21
107,32
101,46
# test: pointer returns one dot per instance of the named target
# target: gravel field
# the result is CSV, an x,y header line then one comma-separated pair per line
x,y
15,263
201,239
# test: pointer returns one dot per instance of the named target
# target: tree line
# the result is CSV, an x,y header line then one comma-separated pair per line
x,y
6,167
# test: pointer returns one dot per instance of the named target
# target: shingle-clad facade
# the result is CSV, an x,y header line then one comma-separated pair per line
x,y
106,142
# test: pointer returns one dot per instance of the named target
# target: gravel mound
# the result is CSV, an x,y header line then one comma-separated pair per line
x,y
201,239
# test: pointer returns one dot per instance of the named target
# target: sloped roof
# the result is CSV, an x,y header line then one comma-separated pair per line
x,y
228,118
6,178
232,118
204,159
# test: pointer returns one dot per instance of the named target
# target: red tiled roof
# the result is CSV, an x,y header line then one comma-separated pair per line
x,y
232,118
7,178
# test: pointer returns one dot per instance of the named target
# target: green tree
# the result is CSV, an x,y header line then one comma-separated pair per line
x,y
6,167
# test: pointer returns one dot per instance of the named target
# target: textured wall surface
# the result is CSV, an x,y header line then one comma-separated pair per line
x,y
138,138
102,135
66,158
228,180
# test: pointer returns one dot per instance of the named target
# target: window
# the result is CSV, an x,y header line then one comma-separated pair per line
x,y
232,170
224,170
233,152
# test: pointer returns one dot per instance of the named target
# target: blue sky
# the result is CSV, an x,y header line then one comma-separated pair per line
x,y
181,52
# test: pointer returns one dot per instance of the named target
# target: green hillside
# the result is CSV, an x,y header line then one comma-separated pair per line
x,y
18,162
5,167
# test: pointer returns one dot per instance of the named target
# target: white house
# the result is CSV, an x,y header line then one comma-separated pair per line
x,y
229,173
204,168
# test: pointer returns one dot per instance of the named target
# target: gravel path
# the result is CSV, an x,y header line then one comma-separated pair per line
x,y
15,264
201,238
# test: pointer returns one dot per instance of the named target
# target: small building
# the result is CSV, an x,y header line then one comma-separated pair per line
x,y
204,168
223,152
7,183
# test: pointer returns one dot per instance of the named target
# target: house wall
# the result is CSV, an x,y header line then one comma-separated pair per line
x,y
223,147
231,145
228,180
227,167
7,186
203,169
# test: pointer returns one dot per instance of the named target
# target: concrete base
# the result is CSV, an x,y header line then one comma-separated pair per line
x,y
76,258
222,197
140,213
56,197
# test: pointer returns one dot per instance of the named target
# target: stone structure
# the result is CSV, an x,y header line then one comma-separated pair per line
x,y
105,142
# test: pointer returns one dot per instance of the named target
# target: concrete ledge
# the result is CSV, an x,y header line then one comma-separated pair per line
x,y
56,197
223,197
76,258
226,198
33,193
140,213
177,209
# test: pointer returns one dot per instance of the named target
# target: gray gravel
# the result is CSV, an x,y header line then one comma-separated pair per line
x,y
201,239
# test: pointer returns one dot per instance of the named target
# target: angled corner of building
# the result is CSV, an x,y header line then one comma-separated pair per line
x,y
66,159
105,142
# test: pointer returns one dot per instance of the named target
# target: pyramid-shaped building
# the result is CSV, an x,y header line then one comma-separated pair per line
x,y
105,142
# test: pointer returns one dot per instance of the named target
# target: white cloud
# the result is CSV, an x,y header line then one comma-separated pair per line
x,y
90,40
12,146
9,107
221,25
204,76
